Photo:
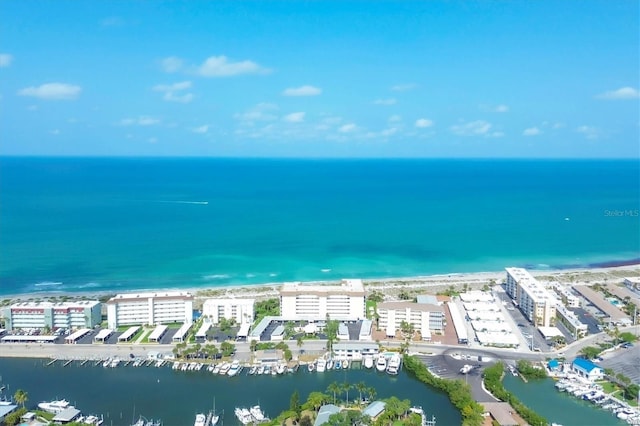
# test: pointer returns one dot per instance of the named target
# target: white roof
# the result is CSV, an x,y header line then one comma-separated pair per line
x,y
79,304
130,332
158,332
548,332
182,331
458,323
202,332
21,338
497,338
634,280
480,306
486,316
476,296
490,326
77,334
103,334
244,330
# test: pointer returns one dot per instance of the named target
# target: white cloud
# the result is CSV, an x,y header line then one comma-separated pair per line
x,y
172,64
390,101
472,128
621,93
220,66
261,112
5,60
346,128
302,91
201,129
112,21
394,118
423,122
143,120
294,117
501,108
494,108
589,132
52,91
531,131
389,132
55,132
404,87
170,90
152,140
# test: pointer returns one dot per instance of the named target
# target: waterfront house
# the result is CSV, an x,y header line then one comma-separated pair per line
x,y
324,413
587,369
374,409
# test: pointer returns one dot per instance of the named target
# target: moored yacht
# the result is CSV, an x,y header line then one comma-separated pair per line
x,y
234,368
201,420
55,407
381,363
321,365
368,361
394,364
257,414
311,367
329,364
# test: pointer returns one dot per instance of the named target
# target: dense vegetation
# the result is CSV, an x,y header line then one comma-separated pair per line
x,y
266,308
529,371
458,391
493,383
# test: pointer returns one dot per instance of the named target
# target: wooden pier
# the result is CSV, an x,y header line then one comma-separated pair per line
x,y
84,362
53,361
67,363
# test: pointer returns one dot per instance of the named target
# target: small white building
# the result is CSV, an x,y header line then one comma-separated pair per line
x,y
587,369
240,310
151,308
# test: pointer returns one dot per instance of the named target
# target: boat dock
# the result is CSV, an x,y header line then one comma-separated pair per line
x,y
53,361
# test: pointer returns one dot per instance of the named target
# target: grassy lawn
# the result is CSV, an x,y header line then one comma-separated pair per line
x,y
173,325
608,387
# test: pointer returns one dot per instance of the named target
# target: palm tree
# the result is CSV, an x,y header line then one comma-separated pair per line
x,y
334,388
361,387
345,388
317,399
21,397
299,342
372,393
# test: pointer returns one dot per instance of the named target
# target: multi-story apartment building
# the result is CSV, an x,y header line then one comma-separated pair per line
x,y
535,302
424,317
240,310
566,295
345,302
53,315
151,308
577,328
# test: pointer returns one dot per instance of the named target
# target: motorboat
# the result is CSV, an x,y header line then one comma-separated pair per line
x,y
329,364
260,369
393,366
381,363
224,368
311,367
243,415
253,370
338,364
234,368
345,363
54,407
201,420
321,365
281,368
144,422
257,414
368,361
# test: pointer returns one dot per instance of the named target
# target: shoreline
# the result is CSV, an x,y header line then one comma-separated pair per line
x,y
602,271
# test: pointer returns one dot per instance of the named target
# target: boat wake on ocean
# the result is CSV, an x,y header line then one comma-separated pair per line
x,y
202,203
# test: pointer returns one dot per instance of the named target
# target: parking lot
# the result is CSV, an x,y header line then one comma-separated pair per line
x,y
625,361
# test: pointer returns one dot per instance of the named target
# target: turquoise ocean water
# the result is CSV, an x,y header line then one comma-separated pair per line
x,y
89,224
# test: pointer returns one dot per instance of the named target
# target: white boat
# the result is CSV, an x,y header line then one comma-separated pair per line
x,y
260,369
368,361
281,368
216,369
201,420
257,414
311,367
55,407
329,364
224,368
93,420
393,366
243,415
253,370
381,364
345,363
321,365
234,368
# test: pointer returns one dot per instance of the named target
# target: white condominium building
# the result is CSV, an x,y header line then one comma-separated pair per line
x,y
69,315
566,295
345,302
151,308
535,302
424,317
577,328
240,310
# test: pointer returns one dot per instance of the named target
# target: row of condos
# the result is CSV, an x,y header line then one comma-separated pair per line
x,y
423,317
344,302
535,302
52,315
151,308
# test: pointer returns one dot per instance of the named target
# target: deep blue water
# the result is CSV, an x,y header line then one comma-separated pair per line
x,y
83,224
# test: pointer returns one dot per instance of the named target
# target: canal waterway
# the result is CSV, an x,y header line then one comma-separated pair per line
x,y
559,407
124,393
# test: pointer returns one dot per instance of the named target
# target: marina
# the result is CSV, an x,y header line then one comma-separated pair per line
x,y
121,393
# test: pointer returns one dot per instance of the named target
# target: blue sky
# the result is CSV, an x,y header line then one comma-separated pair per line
x,y
320,79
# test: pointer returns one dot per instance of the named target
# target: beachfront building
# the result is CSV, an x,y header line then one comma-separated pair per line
x,y
576,327
344,302
567,296
534,301
53,315
633,284
151,308
587,369
239,310
424,317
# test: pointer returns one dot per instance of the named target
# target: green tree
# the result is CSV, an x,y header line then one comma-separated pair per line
x,y
361,387
227,348
294,403
21,397
331,330
334,388
305,421
316,400
253,345
345,387
590,352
